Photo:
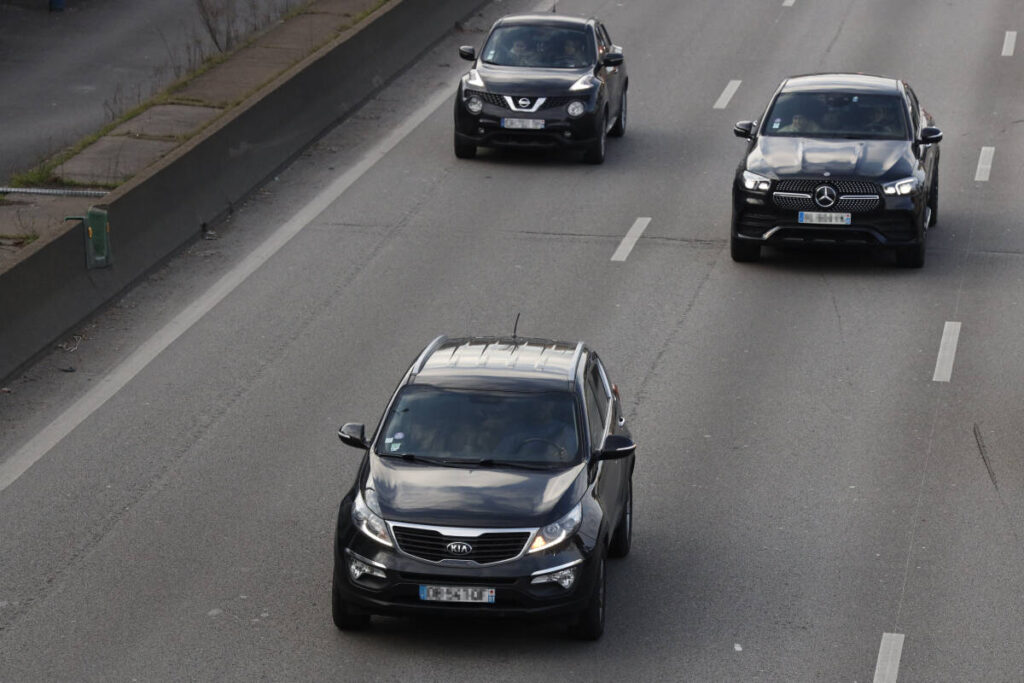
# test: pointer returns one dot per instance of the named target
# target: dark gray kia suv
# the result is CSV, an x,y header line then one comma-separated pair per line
x,y
496,484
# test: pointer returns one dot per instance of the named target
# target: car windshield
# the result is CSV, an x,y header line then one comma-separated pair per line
x,y
551,47
837,115
457,426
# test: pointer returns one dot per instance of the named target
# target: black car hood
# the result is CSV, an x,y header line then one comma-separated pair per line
x,y
475,497
518,80
871,159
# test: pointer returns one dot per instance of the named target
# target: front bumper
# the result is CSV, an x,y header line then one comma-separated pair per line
x,y
398,592
896,222
560,130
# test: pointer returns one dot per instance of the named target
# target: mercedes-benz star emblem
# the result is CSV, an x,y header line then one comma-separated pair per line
x,y
825,196
459,548
524,102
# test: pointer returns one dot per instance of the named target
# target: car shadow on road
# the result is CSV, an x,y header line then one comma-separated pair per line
x,y
814,258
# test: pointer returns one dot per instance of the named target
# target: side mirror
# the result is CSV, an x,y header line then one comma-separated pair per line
x,y
353,434
467,52
617,446
930,135
743,129
613,59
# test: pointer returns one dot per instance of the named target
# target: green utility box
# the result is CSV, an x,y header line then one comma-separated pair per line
x,y
97,237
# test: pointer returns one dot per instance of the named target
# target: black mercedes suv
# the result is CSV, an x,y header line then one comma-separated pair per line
x,y
542,81
838,158
496,484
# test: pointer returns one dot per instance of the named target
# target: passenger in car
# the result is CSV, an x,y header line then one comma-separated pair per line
x,y
801,123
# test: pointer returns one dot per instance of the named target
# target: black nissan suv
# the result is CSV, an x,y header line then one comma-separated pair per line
x,y
542,80
838,159
496,484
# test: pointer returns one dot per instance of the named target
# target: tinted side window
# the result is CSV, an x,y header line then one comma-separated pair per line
x,y
603,44
915,109
595,418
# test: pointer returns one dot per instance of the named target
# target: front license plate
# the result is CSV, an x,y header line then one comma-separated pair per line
x,y
523,124
822,218
456,593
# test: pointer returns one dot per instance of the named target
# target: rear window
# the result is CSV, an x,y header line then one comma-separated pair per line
x,y
454,424
837,115
539,46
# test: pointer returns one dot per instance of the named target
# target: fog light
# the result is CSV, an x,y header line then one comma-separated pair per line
x,y
755,200
480,131
575,109
567,133
564,577
474,104
357,569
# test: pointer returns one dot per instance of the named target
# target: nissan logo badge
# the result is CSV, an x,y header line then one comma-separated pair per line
x,y
524,102
459,548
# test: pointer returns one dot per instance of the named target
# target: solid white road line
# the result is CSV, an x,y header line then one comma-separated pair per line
x,y
788,3
947,352
109,385
985,164
1009,42
626,246
730,90
888,666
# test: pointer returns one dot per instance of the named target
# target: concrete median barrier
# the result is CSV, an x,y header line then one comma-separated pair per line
x,y
157,212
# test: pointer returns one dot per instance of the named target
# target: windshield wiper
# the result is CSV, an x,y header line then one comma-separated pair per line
x,y
491,462
413,457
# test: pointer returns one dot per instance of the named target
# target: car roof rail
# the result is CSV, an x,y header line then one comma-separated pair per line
x,y
576,359
431,347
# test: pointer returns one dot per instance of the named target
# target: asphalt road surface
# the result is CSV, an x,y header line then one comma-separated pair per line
x,y
829,483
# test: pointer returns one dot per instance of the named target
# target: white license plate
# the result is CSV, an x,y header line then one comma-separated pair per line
x,y
523,124
823,218
456,593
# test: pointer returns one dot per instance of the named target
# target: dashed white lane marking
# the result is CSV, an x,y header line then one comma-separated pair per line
x,y
985,164
888,666
947,352
109,385
1009,43
629,241
788,3
730,90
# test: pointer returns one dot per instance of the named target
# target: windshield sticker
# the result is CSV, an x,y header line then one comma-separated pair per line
x,y
400,435
388,439
395,446
776,123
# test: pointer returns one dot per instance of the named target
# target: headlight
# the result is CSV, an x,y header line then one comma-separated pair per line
x,y
473,78
369,520
575,109
553,534
585,82
474,104
564,577
903,186
753,181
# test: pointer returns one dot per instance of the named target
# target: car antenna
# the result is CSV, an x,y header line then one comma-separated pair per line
x,y
515,327
554,7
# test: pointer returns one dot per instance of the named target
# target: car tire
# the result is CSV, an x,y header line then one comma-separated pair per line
x,y
619,129
590,625
345,618
622,538
912,256
595,152
743,251
933,200
464,150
